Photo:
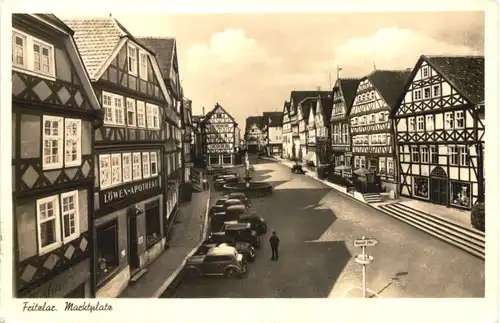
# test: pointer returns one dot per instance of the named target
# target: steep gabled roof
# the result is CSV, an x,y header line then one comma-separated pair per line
x,y
286,107
98,39
326,108
298,96
464,73
306,105
273,119
348,88
390,84
257,120
164,48
217,105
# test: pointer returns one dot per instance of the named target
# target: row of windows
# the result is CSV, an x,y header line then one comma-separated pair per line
x,y
32,54
452,120
138,113
57,220
428,92
373,118
385,164
457,155
340,133
376,139
62,142
116,169
365,97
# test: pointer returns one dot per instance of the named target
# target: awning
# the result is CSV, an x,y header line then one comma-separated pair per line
x,y
363,171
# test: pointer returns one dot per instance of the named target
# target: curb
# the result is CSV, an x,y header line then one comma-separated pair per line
x,y
381,209
176,273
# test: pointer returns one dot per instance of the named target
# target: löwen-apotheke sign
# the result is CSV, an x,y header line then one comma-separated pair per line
x,y
120,193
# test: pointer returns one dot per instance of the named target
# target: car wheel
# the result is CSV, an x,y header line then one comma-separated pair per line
x,y
231,272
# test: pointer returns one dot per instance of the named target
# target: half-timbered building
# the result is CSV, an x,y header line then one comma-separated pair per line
x,y
218,135
322,129
273,132
165,51
130,208
54,111
308,123
299,120
371,130
287,131
344,92
439,124
254,134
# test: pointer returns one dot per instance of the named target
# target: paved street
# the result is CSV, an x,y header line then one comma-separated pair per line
x,y
316,226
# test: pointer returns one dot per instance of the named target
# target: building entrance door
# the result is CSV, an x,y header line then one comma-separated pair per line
x,y
439,186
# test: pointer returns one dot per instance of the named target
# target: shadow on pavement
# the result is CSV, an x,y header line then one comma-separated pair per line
x,y
304,270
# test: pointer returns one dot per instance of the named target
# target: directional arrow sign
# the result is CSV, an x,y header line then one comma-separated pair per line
x,y
365,242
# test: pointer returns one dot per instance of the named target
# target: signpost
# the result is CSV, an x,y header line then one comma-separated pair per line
x,y
364,259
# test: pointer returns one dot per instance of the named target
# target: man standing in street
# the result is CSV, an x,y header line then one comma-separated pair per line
x,y
275,242
205,183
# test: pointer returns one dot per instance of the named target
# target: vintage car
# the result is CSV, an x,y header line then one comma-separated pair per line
x,y
231,213
242,232
244,248
215,169
297,169
258,223
223,203
240,196
223,260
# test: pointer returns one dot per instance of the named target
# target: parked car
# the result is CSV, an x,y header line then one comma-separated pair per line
x,y
242,232
244,248
257,223
223,203
215,169
231,213
223,260
297,169
240,196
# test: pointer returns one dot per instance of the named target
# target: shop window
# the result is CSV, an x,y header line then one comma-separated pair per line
x,y
214,159
460,194
421,187
107,250
153,224
390,166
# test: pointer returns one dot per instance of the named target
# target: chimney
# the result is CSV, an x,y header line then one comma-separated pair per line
x,y
203,111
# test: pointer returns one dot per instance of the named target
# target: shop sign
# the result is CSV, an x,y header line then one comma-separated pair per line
x,y
125,191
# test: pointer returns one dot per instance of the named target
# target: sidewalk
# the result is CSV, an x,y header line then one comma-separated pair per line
x,y
185,235
455,216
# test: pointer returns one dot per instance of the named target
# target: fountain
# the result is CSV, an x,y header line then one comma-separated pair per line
x,y
251,189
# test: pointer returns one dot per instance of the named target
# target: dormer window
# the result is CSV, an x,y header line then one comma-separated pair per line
x,y
32,54
143,65
132,59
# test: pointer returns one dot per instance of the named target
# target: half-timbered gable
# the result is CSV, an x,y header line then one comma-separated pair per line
x,y
310,125
254,134
370,125
344,93
131,210
54,111
273,123
439,126
219,128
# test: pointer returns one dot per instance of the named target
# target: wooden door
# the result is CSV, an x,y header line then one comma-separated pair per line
x,y
133,241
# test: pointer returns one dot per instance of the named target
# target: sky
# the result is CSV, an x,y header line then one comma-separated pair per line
x,y
249,63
